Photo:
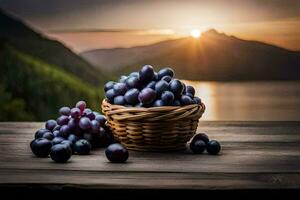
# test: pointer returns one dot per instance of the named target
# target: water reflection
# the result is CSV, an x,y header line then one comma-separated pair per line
x,y
255,101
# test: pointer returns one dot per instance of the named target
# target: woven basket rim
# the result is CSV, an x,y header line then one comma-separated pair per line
x,y
152,109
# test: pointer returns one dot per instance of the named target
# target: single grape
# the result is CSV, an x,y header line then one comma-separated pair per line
x,y
116,153
147,96
65,111
40,133
146,74
161,86
190,90
131,96
119,100
75,113
41,147
82,147
176,87
133,82
95,126
213,147
101,119
120,89
110,95
60,153
197,100
62,120
167,97
57,140
109,85
50,124
81,105
48,135
85,123
186,100
165,72
64,131
198,146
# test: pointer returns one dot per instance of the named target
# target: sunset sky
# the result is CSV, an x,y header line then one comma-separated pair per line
x,y
84,25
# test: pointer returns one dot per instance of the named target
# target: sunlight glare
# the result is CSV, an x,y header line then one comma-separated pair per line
x,y
195,33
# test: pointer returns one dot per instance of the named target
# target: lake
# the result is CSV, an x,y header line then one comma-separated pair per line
x,y
252,101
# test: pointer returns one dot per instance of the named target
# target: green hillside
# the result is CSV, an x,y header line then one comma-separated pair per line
x,y
25,39
34,90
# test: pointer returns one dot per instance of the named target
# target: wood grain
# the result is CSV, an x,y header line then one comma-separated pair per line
x,y
255,155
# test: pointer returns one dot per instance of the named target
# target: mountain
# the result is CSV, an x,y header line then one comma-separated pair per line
x,y
39,75
22,37
214,56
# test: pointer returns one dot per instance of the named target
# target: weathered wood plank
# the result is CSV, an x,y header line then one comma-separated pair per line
x,y
254,155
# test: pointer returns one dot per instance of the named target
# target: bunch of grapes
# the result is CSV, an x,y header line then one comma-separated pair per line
x,y
148,88
76,130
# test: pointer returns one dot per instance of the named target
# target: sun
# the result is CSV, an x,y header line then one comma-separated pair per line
x,y
195,33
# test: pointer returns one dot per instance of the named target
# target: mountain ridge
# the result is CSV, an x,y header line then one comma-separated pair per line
x,y
204,58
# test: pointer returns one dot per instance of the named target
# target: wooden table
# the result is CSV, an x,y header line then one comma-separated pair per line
x,y
255,155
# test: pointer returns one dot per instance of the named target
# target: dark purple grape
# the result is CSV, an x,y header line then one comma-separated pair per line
x,y
119,100
213,147
198,146
161,86
89,113
72,138
48,135
186,100
101,119
75,113
151,85
165,72
197,100
57,128
41,147
123,79
133,82
146,74
40,133
85,123
200,136
81,105
167,78
64,131
120,89
116,153
167,97
62,120
190,89
50,124
110,95
86,111
136,74
147,96
82,147
65,111
73,124
190,95
56,133
60,153
95,126
176,87
109,85
131,96
158,103
57,140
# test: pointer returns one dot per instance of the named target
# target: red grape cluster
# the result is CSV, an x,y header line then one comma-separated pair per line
x,y
76,130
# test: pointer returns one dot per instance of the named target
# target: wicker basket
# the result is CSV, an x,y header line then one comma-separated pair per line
x,y
165,128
